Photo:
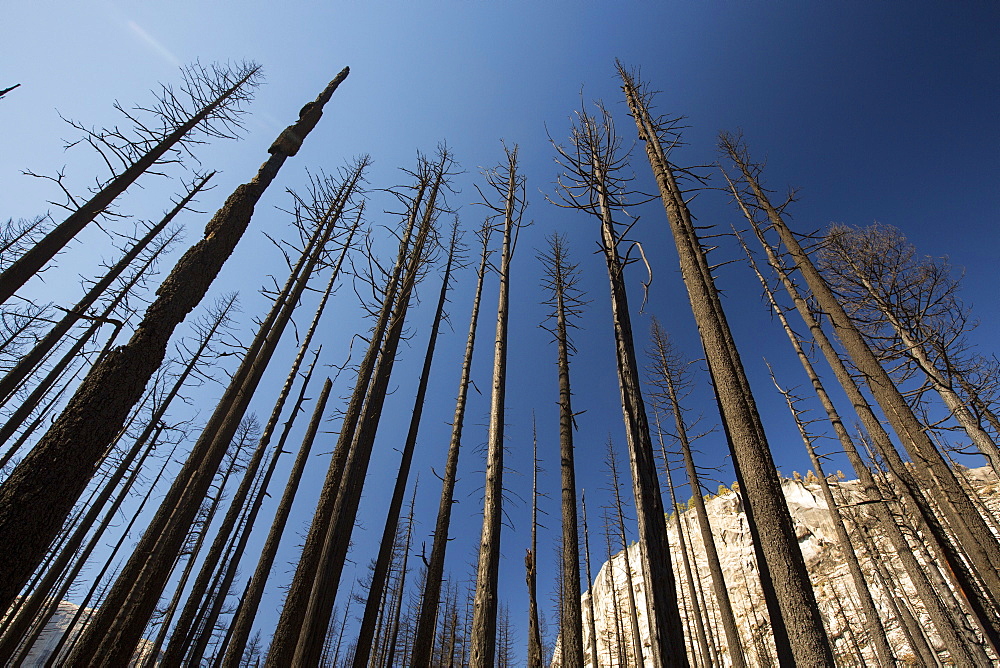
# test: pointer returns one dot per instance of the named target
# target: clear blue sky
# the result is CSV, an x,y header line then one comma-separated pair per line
x,y
877,111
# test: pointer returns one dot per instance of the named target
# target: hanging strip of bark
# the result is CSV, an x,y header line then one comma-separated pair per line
x,y
423,643
799,612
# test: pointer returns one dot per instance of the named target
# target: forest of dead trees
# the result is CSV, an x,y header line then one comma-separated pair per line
x,y
137,533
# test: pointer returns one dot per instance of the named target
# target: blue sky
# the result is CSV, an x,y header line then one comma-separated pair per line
x,y
877,111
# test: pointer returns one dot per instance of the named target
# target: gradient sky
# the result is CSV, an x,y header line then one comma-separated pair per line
x,y
876,111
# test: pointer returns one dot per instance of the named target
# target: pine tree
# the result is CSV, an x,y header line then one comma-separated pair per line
x,y
214,106
592,182
561,278
509,185
751,454
424,635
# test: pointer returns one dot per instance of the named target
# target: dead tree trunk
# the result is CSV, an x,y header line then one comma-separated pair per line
x,y
510,185
561,278
183,629
873,425
633,611
28,362
531,575
366,632
243,620
874,627
590,586
337,540
293,610
39,494
799,611
223,108
141,581
144,445
667,375
401,585
876,630
704,654
73,353
979,544
423,643
594,185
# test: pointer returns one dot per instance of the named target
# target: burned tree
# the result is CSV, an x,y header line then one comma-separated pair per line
x,y
561,278
209,105
506,182
366,633
807,643
423,642
593,182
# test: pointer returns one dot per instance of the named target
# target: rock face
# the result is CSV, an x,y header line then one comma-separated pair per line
x,y
827,568
57,626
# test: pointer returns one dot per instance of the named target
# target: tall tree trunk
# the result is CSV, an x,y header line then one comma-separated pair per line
x,y
73,353
366,632
32,261
799,611
668,375
140,582
39,494
401,587
911,630
484,619
27,363
334,553
981,546
531,575
423,643
144,444
82,615
561,278
174,651
633,612
873,626
293,611
873,425
590,586
593,185
704,654
243,620
876,630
